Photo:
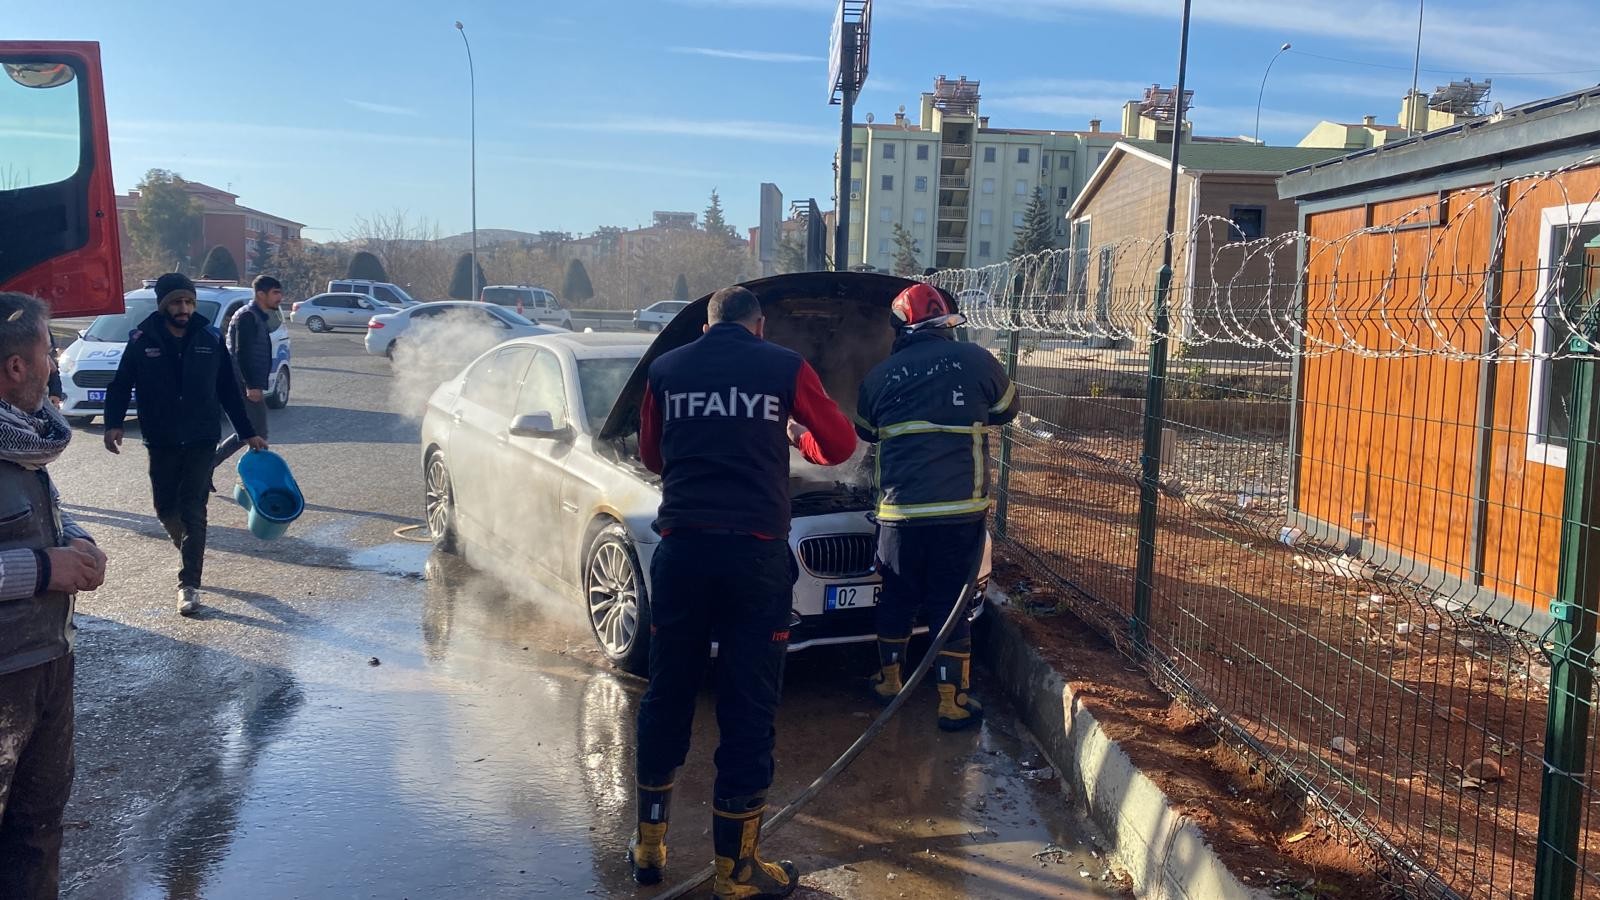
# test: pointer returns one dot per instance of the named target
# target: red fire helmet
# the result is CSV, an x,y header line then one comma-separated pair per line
x,y
924,306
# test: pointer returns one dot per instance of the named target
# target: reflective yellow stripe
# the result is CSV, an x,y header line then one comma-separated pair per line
x,y
1011,394
860,422
889,512
977,465
900,428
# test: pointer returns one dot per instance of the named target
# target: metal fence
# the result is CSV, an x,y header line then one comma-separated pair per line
x,y
1366,474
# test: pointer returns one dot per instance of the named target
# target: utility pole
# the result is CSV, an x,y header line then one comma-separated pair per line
x,y
847,112
472,77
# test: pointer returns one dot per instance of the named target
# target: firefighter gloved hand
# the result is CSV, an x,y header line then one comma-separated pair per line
x,y
796,432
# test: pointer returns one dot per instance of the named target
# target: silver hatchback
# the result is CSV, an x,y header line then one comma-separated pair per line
x,y
325,312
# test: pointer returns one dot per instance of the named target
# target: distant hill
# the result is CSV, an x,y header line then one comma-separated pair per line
x,y
488,237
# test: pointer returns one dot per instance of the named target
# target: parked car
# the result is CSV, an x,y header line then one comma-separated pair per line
x,y
382,291
656,316
88,366
385,331
325,312
530,456
534,303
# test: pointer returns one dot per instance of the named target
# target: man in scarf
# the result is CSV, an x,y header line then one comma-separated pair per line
x,y
45,559
182,372
249,339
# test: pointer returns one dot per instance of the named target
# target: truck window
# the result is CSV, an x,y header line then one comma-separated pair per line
x,y
58,216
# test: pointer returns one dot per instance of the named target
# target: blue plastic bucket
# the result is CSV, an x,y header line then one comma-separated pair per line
x,y
268,492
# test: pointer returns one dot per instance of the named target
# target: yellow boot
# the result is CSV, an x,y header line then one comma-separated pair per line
x,y
957,709
891,655
741,873
647,851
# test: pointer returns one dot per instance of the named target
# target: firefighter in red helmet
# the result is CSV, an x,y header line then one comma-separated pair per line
x,y
929,407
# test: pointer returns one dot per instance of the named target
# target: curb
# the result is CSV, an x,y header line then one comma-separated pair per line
x,y
1161,849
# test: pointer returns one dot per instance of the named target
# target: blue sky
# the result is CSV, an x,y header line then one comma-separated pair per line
x,y
598,112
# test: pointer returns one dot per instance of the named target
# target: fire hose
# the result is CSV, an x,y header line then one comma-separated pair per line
x,y
781,817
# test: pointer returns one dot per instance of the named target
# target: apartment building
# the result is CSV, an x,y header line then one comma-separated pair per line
x,y
959,186
224,222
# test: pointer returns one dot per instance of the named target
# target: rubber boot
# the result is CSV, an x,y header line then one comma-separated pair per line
x,y
957,709
886,682
736,839
647,851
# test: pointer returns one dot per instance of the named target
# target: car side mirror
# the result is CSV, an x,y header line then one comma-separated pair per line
x,y
540,425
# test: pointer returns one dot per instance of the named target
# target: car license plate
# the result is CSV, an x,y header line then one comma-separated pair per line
x,y
851,596
98,396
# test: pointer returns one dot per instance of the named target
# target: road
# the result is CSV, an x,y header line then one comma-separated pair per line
x,y
351,716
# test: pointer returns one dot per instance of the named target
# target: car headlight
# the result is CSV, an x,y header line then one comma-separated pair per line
x,y
67,364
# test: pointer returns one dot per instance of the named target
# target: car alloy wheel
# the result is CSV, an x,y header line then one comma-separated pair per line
x,y
315,325
439,501
618,613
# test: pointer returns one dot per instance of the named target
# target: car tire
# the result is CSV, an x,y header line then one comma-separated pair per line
x,y
388,352
439,500
614,599
80,421
316,325
279,398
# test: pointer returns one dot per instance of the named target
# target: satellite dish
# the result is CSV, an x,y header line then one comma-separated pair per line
x,y
902,109
870,118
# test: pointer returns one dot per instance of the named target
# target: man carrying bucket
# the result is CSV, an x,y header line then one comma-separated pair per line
x,y
182,372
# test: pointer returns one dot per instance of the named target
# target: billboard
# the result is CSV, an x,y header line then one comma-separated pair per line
x,y
771,227
855,15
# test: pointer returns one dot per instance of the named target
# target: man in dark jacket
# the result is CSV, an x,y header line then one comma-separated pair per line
x,y
45,559
249,340
929,406
716,423
178,365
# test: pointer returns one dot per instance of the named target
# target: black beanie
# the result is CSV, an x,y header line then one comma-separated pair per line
x,y
172,281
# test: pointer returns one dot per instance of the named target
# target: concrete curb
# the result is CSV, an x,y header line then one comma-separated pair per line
x,y
1161,849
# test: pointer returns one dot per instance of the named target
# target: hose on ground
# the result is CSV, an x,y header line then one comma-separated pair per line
x,y
410,532
781,817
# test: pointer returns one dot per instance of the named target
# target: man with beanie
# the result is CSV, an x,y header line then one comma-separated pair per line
x,y
45,559
929,407
182,372
249,340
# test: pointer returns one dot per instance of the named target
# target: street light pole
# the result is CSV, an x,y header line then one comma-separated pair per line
x,y
1262,93
472,80
1416,76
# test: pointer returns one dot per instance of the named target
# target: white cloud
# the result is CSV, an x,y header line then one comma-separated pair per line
x,y
381,108
762,132
761,56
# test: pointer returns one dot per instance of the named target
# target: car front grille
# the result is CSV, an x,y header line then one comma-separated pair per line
x,y
839,555
96,379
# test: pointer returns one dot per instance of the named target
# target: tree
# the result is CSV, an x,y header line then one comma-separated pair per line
x,y
305,268
461,281
220,265
366,266
1034,234
906,263
575,288
409,249
167,223
791,253
261,256
716,224
680,289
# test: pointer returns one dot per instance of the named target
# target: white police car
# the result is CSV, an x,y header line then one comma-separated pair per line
x,y
88,366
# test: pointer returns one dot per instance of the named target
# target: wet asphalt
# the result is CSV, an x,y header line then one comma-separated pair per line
x,y
354,716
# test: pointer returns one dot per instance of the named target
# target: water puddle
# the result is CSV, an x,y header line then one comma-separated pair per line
x,y
406,559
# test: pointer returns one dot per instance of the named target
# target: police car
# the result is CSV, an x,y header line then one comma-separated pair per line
x,y
88,366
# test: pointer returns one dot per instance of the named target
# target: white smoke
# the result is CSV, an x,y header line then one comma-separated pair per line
x,y
433,351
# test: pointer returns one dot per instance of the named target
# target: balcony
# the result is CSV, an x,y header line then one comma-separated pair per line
x,y
947,244
953,213
955,183
955,151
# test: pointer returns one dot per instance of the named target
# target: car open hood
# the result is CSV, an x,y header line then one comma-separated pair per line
x,y
839,321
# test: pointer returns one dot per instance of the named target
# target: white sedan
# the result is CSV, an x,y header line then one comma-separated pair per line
x,y
456,323
530,463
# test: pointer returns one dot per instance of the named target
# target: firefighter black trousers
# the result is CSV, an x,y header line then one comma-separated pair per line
x,y
180,484
736,590
36,763
923,566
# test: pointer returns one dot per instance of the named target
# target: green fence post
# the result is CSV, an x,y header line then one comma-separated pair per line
x,y
1002,506
1566,736
1155,403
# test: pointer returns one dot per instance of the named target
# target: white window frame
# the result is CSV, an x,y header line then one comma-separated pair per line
x,y
988,186
1551,218
985,218
919,216
1022,187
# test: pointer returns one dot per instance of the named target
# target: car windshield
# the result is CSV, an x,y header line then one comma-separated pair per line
x,y
508,296
601,380
511,317
671,306
116,328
